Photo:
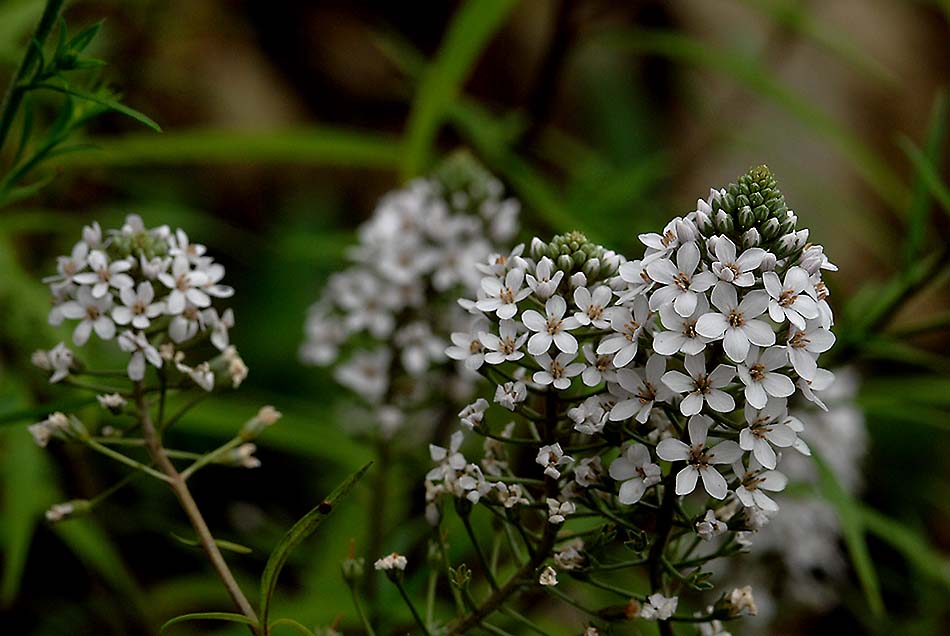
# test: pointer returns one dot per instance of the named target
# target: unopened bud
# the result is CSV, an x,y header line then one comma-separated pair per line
x,y
538,248
264,418
61,511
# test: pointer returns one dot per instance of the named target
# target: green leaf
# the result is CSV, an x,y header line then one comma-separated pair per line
x,y
748,71
84,37
927,182
221,543
207,616
469,33
27,491
909,543
298,627
318,145
852,527
300,531
102,100
32,413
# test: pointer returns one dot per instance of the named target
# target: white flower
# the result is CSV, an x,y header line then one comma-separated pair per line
x,y
753,481
60,511
543,284
548,577
645,390
93,314
152,268
570,557
701,460
658,607
185,285
592,305
557,371
589,416
822,380
506,345
137,306
787,300
68,266
112,401
804,345
588,471
628,325
709,527
104,274
366,373
600,367
450,459
552,328
730,269
140,348
56,425
467,346
766,429
186,324
759,376
510,394
558,511
60,359
681,285
634,273
473,414
502,297
551,456
737,325
661,245
701,388
92,234
394,561
499,264
741,602
202,374
219,325
681,334
637,472
181,246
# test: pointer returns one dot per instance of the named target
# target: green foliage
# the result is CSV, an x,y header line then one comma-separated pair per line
x,y
227,617
471,30
305,527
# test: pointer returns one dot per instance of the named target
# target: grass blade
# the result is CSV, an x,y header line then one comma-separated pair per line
x,y
207,616
851,519
909,543
927,184
102,100
467,36
318,145
305,527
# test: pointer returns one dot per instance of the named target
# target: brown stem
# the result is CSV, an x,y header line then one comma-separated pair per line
x,y
157,452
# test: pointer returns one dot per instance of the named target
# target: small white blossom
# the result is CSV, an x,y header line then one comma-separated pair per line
x,y
738,271
681,283
709,527
700,388
558,511
701,460
758,374
473,414
548,577
467,347
142,351
105,274
658,607
502,297
627,325
600,368
646,388
505,347
787,299
737,324
366,373
137,307
185,285
681,335
592,305
753,481
804,345
550,329
92,314
551,457
588,471
510,394
636,472
112,401
767,428
394,561
544,283
557,371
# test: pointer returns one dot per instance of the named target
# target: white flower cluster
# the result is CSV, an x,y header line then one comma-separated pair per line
x,y
690,353
151,290
385,321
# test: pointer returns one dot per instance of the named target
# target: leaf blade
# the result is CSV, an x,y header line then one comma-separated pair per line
x,y
229,617
306,526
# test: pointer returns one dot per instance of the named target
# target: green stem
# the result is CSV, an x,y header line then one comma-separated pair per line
x,y
412,608
124,459
466,521
359,611
211,457
15,92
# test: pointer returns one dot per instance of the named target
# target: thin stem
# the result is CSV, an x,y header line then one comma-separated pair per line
x,y
211,457
466,521
359,611
15,91
179,487
430,598
412,608
125,459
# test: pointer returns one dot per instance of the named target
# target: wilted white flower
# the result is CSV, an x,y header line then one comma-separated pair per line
x,y
551,457
558,511
510,394
658,607
548,576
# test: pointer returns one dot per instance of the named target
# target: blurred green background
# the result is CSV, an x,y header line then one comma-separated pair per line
x,y
284,123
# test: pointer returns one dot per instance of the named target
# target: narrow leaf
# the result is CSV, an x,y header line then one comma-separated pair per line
x,y
300,531
927,183
909,543
221,543
469,33
102,100
852,528
207,616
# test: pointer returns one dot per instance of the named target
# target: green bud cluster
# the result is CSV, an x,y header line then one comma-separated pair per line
x,y
753,213
574,252
137,244
462,174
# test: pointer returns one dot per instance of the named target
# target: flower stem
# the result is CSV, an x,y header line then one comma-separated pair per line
x,y
179,487
412,608
359,611
15,91
124,459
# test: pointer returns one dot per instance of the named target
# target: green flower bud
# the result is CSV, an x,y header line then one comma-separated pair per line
x,y
353,570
